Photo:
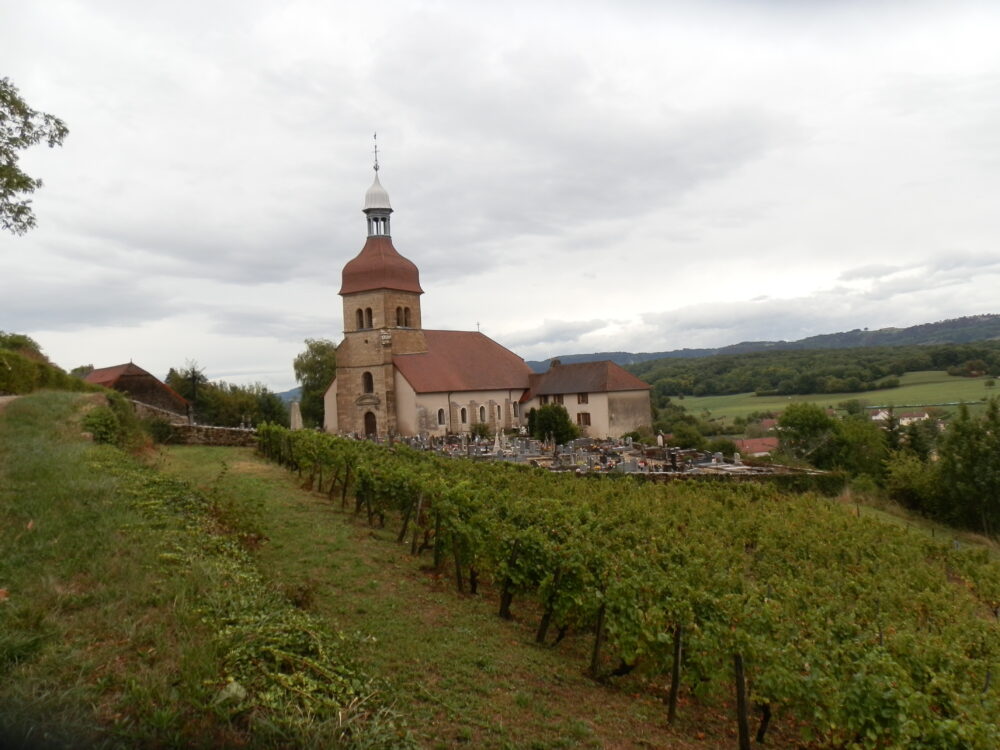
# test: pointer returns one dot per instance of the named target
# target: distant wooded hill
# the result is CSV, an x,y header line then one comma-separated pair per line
x,y
954,331
806,371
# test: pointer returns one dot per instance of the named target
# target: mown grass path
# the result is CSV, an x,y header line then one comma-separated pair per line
x,y
461,676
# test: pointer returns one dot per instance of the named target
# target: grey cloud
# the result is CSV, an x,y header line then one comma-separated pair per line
x,y
554,333
257,322
868,272
46,304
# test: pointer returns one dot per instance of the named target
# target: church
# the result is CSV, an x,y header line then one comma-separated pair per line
x,y
394,377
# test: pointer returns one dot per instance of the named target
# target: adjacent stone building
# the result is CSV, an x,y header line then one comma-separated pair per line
x,y
395,377
602,398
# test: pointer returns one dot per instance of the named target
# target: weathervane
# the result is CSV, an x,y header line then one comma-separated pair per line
x,y
375,138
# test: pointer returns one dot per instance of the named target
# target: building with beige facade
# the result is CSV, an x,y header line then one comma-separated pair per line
x,y
395,377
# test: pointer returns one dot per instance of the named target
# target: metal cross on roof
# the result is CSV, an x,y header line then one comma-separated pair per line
x,y
375,138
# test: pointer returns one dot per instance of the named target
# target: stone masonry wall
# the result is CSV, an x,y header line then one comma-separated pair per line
x,y
187,434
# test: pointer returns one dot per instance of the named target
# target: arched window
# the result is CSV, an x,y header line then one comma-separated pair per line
x,y
367,383
464,416
498,413
515,409
368,317
361,318
399,316
482,413
406,317
440,416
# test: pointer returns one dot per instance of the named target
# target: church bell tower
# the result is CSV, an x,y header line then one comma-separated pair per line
x,y
381,296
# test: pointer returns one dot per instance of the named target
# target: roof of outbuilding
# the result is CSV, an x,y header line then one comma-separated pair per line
x,y
756,445
462,361
109,377
380,266
584,377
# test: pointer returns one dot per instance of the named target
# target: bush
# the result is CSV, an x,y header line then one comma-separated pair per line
x,y
480,430
159,429
103,424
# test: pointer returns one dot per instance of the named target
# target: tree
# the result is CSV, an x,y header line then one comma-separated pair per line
x,y
807,432
82,371
226,404
970,470
861,447
553,419
315,368
21,127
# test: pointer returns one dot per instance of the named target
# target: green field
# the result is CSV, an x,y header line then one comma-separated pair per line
x,y
927,388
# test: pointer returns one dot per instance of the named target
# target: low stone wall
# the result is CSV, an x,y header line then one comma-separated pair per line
x,y
146,411
196,434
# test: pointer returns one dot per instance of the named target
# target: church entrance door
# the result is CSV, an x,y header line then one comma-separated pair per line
x,y
370,424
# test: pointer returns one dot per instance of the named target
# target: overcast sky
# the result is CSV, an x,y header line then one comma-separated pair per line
x,y
572,176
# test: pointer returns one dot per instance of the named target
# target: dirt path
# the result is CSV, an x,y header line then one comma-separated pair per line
x,y
4,400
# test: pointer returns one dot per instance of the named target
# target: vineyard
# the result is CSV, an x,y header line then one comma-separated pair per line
x,y
855,633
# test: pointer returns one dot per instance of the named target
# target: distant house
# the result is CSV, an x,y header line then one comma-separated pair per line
x,y
602,399
903,418
141,387
763,446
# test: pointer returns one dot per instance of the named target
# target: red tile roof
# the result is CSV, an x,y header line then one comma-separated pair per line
x,y
584,377
379,266
462,361
751,446
109,377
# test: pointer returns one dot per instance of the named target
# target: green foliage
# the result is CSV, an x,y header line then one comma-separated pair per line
x,y
159,429
687,436
912,481
860,447
20,343
725,446
861,633
21,127
24,369
807,432
226,404
783,373
969,470
103,424
553,420
480,430
134,616
315,369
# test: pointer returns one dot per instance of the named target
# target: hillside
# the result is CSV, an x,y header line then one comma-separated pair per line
x,y
214,599
814,371
955,330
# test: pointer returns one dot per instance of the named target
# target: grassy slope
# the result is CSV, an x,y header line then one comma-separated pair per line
x,y
88,636
916,389
126,606
462,676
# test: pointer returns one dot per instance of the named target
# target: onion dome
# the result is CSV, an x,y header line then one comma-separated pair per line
x,y
380,266
377,197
